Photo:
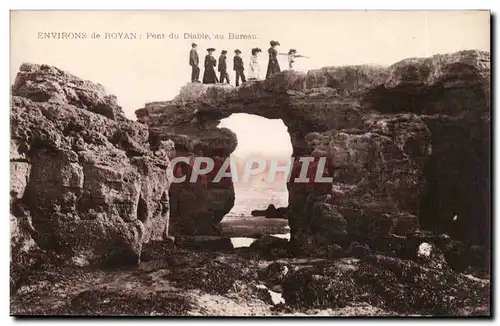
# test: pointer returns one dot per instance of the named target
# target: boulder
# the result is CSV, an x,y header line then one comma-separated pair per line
x,y
275,273
44,83
269,245
271,212
429,255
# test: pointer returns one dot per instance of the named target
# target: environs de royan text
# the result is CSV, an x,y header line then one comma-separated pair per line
x,y
146,36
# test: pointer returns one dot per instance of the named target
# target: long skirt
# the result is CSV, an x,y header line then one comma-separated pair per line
x,y
272,68
209,76
254,71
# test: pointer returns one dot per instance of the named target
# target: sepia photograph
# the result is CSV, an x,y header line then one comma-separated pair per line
x,y
195,163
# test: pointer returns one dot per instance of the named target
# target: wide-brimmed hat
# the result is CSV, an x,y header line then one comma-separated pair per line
x,y
237,51
194,44
273,43
210,49
223,51
292,51
255,50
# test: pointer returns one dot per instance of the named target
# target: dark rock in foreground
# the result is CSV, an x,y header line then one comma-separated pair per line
x,y
206,283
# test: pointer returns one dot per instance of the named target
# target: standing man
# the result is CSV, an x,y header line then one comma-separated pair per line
x,y
194,61
223,67
238,67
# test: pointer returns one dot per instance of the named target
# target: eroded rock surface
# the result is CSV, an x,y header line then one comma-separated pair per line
x,y
87,177
187,283
386,133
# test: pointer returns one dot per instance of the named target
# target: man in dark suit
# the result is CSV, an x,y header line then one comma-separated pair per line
x,y
194,61
238,67
223,67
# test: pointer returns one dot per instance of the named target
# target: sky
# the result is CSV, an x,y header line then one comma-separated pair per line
x,y
148,69
258,136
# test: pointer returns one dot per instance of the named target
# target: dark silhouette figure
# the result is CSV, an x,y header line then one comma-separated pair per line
x,y
273,65
271,212
223,67
209,76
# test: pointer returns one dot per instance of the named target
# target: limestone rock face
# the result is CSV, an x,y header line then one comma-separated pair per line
x,y
44,83
93,185
381,130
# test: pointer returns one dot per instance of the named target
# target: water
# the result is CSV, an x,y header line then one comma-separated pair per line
x,y
242,242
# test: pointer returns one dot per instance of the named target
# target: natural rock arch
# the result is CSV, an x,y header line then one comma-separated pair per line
x,y
376,127
396,138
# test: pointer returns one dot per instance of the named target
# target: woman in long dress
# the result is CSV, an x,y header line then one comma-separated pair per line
x,y
209,76
273,66
254,73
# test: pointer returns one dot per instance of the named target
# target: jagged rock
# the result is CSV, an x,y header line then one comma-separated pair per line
x,y
270,212
44,83
374,126
197,209
321,214
431,256
213,200
87,175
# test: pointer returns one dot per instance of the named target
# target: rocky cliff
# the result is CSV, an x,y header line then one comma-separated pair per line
x,y
85,182
407,145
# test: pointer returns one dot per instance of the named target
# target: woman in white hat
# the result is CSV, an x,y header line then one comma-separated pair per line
x,y
254,73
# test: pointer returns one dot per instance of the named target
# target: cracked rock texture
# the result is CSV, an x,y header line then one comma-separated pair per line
x,y
84,176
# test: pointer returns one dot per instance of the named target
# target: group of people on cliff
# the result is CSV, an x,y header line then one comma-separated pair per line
x,y
210,76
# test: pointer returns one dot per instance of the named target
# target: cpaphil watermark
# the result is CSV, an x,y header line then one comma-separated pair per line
x,y
306,169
